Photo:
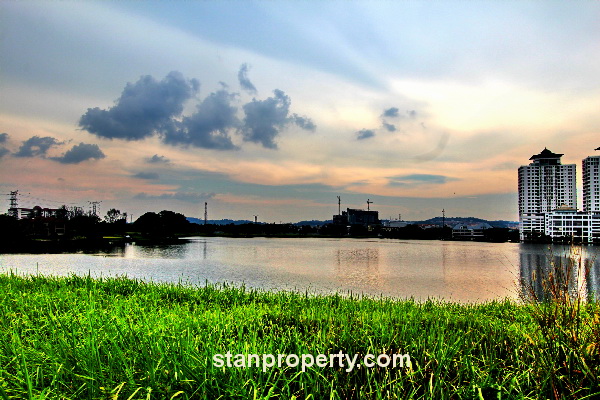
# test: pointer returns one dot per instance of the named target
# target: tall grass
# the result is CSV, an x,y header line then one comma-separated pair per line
x,y
568,320
117,338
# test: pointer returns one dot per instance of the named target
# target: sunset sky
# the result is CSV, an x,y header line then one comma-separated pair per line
x,y
274,108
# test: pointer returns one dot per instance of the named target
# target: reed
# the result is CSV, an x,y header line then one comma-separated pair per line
x,y
567,317
117,338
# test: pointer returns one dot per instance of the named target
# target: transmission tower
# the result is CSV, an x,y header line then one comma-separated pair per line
x,y
205,212
13,210
95,207
443,221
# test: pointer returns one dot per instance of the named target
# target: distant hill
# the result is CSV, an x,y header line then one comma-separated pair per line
x,y
219,221
313,222
451,221
245,221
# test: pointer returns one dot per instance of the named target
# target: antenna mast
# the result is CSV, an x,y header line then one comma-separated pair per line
x,y
369,202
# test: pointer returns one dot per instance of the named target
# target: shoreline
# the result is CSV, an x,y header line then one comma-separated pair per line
x,y
52,246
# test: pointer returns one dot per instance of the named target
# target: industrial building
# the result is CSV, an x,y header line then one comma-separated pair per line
x,y
353,216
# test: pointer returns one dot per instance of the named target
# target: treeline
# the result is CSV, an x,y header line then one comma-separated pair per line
x,y
67,225
334,230
73,225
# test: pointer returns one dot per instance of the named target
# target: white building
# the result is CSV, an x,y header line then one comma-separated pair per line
x,y
544,185
567,224
395,223
548,199
591,184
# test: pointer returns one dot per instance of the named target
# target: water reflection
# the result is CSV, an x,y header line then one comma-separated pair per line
x,y
171,251
358,267
454,271
543,274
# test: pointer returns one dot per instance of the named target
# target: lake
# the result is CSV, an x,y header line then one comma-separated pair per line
x,y
448,270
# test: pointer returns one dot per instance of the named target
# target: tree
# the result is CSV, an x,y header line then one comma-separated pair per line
x,y
113,215
62,213
164,224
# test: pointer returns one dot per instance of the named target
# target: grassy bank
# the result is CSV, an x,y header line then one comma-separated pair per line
x,y
78,337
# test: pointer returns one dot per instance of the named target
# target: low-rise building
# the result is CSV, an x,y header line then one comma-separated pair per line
x,y
567,224
470,232
395,223
35,212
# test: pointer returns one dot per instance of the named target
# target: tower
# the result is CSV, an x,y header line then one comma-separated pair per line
x,y
591,184
95,205
544,186
14,209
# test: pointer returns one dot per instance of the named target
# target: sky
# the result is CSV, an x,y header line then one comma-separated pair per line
x,y
275,108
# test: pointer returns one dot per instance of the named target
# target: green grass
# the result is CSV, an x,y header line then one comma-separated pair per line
x,y
118,338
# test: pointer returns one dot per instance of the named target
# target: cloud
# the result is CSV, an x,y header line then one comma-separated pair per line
x,y
244,81
189,197
391,112
419,179
146,175
389,127
437,151
266,118
412,114
156,159
3,138
365,134
79,153
209,126
36,146
304,122
145,107
151,108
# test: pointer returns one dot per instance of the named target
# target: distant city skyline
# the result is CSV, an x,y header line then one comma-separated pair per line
x,y
276,108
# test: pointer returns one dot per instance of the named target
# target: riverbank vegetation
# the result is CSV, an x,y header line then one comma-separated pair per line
x,y
67,230
118,338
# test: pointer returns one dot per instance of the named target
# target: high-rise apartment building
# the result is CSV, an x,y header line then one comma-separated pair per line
x,y
548,199
591,184
544,186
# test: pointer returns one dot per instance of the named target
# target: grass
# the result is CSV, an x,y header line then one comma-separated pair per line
x,y
118,338
568,318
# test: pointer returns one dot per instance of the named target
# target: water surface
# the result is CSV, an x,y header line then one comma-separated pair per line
x,y
454,271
